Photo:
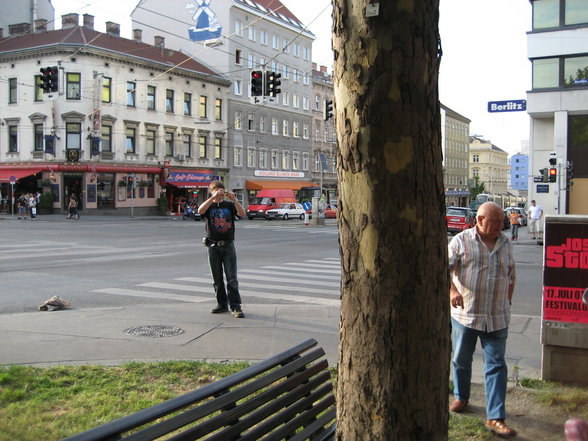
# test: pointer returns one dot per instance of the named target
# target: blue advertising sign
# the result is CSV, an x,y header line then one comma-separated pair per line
x,y
507,106
543,188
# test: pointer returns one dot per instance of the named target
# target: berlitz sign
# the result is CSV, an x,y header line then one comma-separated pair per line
x,y
507,106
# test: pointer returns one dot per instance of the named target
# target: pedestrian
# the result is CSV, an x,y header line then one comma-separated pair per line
x,y
72,207
32,205
514,225
220,246
482,271
535,213
22,206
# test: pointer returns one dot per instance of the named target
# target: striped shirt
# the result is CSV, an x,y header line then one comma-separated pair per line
x,y
482,277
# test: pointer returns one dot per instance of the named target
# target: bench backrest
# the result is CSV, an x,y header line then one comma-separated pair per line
x,y
288,396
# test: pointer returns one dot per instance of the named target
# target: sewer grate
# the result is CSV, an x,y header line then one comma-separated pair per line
x,y
154,331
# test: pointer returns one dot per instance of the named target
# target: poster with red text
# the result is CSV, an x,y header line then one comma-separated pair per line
x,y
565,271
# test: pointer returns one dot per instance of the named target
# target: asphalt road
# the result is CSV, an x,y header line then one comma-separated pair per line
x,y
109,261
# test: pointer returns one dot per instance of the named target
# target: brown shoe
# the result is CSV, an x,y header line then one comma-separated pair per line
x,y
458,406
500,428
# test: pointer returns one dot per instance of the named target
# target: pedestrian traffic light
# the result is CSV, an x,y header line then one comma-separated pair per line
x,y
569,175
328,110
272,83
552,158
544,175
256,83
552,174
131,181
49,79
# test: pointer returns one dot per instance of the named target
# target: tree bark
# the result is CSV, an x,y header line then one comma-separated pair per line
x,y
394,334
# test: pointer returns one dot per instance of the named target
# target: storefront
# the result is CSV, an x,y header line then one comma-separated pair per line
x,y
186,186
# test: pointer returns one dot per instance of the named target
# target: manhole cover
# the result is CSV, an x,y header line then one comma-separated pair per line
x,y
154,331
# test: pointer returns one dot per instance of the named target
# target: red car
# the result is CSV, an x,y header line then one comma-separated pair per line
x,y
459,219
330,211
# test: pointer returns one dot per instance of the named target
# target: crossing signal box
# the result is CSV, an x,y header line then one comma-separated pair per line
x,y
272,83
49,79
553,175
544,175
257,83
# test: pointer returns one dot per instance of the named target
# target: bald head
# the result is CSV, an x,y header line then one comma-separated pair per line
x,y
490,208
490,220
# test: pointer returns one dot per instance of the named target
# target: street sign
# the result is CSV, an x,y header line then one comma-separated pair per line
x,y
543,188
12,179
507,106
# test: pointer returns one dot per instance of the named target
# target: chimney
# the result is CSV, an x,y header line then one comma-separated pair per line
x,y
324,69
70,20
19,28
40,25
89,21
113,29
314,65
137,35
159,41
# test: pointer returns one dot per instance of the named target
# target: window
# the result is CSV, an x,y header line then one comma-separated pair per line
x,y
317,132
73,86
285,160
263,37
285,71
476,172
187,104
295,75
238,28
251,122
237,120
218,109
251,32
274,41
305,79
238,56
169,143
38,90
285,127
263,158
202,150
547,13
237,156
38,132
305,103
251,61
262,123
274,125
250,157
73,136
576,71
187,141
169,101
237,86
131,94
130,141
576,12
106,90
305,161
106,143
274,159
306,53
578,144
12,139
295,100
476,158
203,107
305,130
296,50
150,142
295,161
285,98
151,97
295,129
317,102
12,90
285,46
218,148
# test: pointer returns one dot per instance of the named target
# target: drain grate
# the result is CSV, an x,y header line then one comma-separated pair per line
x,y
154,331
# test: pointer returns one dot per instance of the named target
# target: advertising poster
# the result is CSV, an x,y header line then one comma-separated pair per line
x,y
565,274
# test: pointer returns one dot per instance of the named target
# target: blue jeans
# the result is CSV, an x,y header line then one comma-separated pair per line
x,y
495,369
220,258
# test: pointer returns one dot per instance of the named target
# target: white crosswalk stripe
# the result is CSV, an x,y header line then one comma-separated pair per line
x,y
310,282
285,227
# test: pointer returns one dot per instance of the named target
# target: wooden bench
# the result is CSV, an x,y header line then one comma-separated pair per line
x,y
288,396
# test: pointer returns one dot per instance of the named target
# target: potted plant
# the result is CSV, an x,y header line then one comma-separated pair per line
x,y
46,203
162,204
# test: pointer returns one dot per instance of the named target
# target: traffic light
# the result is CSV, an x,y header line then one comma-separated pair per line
x,y
49,79
272,83
256,83
328,110
131,181
552,159
569,175
544,175
553,174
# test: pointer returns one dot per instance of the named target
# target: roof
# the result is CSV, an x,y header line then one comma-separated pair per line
x,y
275,9
80,36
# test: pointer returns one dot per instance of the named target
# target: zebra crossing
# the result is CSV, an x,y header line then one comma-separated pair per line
x,y
289,227
308,282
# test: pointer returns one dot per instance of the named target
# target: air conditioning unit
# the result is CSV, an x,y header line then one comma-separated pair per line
x,y
180,157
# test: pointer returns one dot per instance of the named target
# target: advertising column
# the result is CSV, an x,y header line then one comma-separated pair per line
x,y
564,330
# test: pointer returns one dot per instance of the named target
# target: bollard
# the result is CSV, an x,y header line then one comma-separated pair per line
x,y
306,219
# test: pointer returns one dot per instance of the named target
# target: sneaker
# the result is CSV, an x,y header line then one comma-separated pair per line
x,y
500,428
219,309
236,311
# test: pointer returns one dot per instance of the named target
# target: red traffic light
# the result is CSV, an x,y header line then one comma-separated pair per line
x,y
256,74
552,174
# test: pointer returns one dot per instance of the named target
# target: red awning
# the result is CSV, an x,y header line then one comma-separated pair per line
x,y
189,184
6,174
278,185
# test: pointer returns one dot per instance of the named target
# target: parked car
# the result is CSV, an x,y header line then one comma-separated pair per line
x,y
330,211
286,211
459,219
522,214
506,223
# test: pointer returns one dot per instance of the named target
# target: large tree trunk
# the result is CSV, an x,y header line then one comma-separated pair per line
x,y
394,349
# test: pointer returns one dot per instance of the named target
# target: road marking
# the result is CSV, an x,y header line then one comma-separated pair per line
x,y
151,294
260,285
286,280
284,272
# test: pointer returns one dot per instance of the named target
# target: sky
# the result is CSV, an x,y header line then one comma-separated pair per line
x,y
484,55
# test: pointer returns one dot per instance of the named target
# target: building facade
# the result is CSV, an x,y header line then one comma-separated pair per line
x,y
455,132
519,173
489,164
558,103
127,124
269,140
23,16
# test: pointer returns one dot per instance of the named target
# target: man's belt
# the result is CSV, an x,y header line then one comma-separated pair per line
x,y
218,243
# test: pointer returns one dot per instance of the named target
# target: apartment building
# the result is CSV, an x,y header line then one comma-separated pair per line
x,y
489,164
455,136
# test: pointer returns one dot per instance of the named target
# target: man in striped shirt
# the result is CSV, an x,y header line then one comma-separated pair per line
x,y
482,284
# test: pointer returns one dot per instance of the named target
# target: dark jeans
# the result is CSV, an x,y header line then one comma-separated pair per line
x,y
515,231
219,258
